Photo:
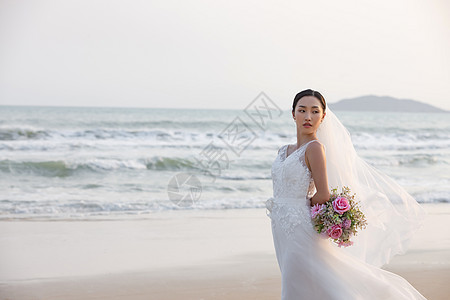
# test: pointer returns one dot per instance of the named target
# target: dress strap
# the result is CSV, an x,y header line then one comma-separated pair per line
x,y
306,145
282,150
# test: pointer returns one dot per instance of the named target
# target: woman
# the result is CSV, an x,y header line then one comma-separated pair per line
x,y
323,157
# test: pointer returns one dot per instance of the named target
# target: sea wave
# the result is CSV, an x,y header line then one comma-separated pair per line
x,y
61,168
84,209
79,209
401,142
407,160
432,197
30,138
100,161
65,168
13,134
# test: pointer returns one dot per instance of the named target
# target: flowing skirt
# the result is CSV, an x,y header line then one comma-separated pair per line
x,y
314,268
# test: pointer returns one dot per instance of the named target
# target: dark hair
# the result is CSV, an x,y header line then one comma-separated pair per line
x,y
309,92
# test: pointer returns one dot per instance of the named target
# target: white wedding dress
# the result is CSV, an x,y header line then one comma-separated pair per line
x,y
313,267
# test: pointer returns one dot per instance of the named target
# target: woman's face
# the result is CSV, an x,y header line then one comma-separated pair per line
x,y
308,114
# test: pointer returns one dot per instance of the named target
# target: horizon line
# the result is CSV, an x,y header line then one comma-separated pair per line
x,y
205,108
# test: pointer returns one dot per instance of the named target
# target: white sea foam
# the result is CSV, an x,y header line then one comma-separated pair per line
x,y
78,162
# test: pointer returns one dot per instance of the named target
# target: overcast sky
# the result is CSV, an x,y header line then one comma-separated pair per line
x,y
221,54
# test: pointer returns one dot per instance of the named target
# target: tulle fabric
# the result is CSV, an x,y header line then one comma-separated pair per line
x,y
393,215
314,268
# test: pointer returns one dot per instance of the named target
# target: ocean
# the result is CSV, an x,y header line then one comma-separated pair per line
x,y
80,162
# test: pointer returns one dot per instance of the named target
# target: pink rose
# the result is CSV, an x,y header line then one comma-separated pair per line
x,y
346,223
317,209
341,205
334,232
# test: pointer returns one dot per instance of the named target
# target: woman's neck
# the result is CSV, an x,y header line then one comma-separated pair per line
x,y
304,138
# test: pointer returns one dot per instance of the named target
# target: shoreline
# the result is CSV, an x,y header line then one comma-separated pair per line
x,y
223,254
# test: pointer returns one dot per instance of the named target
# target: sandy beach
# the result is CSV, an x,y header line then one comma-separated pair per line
x,y
216,254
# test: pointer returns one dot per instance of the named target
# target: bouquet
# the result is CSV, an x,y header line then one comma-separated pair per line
x,y
339,218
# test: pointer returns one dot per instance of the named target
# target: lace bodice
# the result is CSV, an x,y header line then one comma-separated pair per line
x,y
290,175
292,188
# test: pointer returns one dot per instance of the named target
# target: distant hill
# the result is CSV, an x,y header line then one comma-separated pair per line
x,y
383,103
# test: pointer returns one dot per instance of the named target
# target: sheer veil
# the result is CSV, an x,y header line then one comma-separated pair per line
x,y
392,214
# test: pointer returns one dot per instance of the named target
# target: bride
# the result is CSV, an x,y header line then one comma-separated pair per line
x,y
324,157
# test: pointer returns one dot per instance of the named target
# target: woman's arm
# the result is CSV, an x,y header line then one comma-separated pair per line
x,y
316,162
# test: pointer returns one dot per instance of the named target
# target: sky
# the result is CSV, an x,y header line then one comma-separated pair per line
x,y
221,54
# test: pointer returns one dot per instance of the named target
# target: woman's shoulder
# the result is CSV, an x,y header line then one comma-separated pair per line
x,y
315,145
315,151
